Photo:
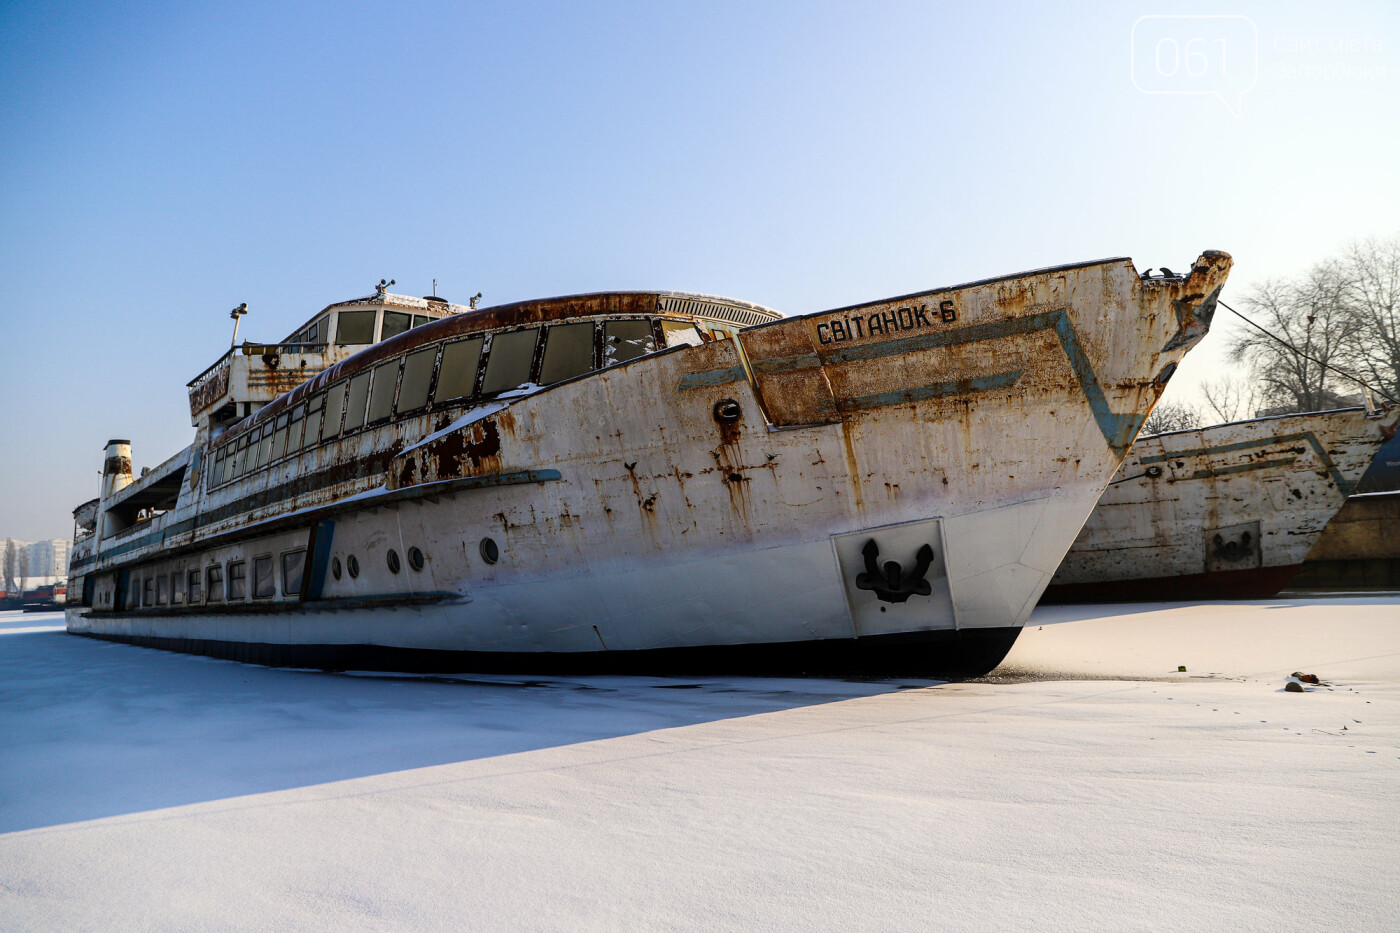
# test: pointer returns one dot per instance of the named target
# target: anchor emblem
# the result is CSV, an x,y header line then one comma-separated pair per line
x,y
891,584
1232,551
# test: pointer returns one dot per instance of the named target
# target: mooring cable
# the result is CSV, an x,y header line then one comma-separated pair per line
x,y
1343,373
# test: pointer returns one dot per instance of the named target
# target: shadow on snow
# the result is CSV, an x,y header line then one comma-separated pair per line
x,y
91,729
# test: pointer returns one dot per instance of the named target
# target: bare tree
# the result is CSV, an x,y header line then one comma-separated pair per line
x,y
23,567
1231,398
1308,329
1171,416
1372,269
10,561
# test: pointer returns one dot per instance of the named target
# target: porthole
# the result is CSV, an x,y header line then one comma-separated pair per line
x,y
415,558
352,564
489,552
393,558
335,567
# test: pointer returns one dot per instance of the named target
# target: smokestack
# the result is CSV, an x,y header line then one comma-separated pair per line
x,y
116,468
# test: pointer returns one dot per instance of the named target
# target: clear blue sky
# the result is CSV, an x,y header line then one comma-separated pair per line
x,y
163,162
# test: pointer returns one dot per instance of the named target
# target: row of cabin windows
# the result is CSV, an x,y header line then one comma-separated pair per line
x,y
470,368
357,327
219,583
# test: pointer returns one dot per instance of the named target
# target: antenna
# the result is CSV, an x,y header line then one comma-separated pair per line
x,y
434,288
237,315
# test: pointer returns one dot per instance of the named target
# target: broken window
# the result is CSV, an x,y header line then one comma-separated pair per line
x,y
457,374
681,334
292,564
214,580
177,588
194,586
355,401
148,592
381,396
264,583
237,580
568,352
354,327
162,590
395,323
508,365
626,340
417,373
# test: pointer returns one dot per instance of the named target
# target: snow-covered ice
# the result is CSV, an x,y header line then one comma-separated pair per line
x,y
1086,785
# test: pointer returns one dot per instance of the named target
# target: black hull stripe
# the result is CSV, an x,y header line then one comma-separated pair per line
x,y
942,655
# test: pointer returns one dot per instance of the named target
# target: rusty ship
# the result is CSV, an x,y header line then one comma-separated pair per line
x,y
1225,512
642,480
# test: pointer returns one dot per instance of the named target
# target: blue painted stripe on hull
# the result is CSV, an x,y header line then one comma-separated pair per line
x,y
1243,468
713,377
949,389
1309,436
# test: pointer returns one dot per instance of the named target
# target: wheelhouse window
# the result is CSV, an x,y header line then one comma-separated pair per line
x,y
457,374
381,396
214,583
194,586
422,319
237,580
313,333
292,564
417,374
335,404
264,582
508,364
395,323
354,327
355,401
626,340
568,352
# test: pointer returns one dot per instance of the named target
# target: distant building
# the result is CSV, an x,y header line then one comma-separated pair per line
x,y
46,558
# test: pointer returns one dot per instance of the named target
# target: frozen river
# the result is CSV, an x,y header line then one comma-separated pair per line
x,y
1088,784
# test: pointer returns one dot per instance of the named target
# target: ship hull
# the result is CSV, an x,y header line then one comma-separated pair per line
x,y
1228,512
